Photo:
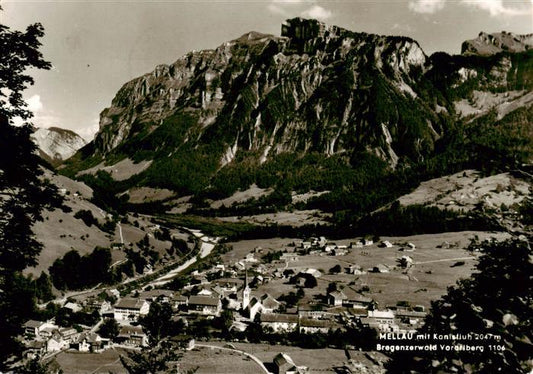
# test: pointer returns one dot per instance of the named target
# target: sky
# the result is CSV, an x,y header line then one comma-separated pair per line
x,y
97,46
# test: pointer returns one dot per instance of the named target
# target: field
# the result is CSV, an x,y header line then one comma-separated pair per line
x,y
433,271
95,363
295,218
122,170
316,360
466,190
210,361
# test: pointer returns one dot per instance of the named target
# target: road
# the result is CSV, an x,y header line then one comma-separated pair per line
x,y
205,249
120,232
254,358
446,259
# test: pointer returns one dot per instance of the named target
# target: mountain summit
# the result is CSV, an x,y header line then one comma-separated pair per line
x,y
56,144
316,88
306,103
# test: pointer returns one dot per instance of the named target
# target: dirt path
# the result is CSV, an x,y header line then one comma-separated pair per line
x,y
445,259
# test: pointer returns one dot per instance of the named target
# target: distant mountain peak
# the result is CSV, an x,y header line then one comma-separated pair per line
x,y
489,44
56,144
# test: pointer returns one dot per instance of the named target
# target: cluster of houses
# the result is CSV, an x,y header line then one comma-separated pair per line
x,y
46,337
223,287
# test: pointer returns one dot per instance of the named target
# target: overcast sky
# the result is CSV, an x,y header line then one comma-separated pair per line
x,y
97,46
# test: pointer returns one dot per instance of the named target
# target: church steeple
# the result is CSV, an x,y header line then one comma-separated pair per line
x,y
245,290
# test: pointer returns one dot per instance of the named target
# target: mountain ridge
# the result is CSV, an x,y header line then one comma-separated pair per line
x,y
317,108
489,44
57,144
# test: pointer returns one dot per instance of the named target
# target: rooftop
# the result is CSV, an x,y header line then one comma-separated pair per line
x,y
281,318
203,300
129,303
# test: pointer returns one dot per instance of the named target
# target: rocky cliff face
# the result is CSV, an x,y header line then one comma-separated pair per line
x,y
56,145
316,89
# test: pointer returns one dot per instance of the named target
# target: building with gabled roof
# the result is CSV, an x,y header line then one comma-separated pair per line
x,y
336,298
313,325
130,309
206,305
283,364
133,336
151,295
278,322
269,304
33,329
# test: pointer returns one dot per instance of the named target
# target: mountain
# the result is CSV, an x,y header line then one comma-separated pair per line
x,y
56,144
490,44
318,108
315,88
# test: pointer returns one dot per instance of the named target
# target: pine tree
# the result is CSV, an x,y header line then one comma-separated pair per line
x,y
23,192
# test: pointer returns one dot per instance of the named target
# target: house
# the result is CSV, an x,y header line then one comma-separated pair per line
x,y
229,285
283,364
56,343
380,320
410,317
289,257
405,262
258,280
31,328
386,244
269,304
151,295
206,305
132,336
180,301
355,270
311,311
367,242
336,298
205,292
106,309
386,316
355,300
34,329
330,247
305,245
313,326
130,309
276,322
220,267
113,292
250,257
254,307
73,307
34,348
379,268
90,342
339,252
68,333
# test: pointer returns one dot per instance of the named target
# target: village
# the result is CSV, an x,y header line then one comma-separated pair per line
x,y
297,290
